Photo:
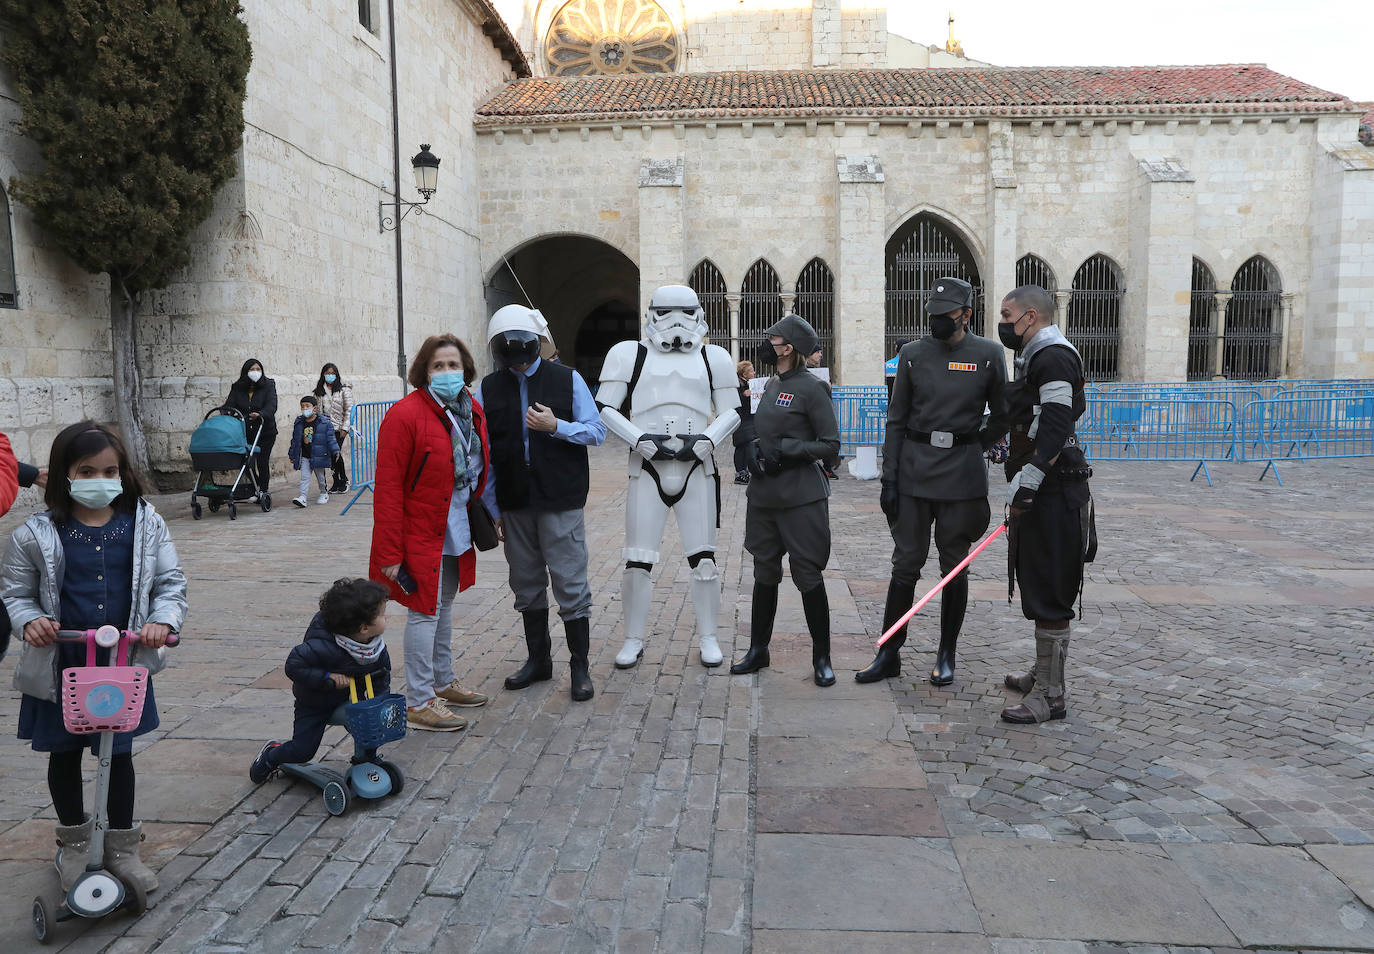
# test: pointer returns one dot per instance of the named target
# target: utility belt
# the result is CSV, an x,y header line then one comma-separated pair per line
x,y
942,438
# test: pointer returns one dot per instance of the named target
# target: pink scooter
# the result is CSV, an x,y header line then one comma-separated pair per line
x,y
104,699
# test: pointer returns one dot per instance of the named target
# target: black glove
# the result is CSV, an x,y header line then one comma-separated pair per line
x,y
661,451
887,499
689,447
1022,500
761,466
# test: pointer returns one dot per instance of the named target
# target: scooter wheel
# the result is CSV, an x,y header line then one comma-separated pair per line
x,y
265,501
195,510
137,899
43,921
233,512
335,798
393,772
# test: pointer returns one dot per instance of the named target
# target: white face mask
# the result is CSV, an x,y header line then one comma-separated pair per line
x,y
255,376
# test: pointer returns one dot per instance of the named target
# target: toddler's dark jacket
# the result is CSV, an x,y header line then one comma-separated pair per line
x,y
310,664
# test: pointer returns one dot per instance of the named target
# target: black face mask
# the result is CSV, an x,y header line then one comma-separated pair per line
x,y
1006,333
943,327
767,357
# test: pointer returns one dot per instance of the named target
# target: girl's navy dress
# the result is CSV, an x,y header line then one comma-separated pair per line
x,y
97,589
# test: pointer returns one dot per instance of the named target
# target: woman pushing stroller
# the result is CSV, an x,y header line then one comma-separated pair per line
x,y
99,555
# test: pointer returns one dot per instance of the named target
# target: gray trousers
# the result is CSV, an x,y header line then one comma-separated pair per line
x,y
541,546
958,525
429,641
802,533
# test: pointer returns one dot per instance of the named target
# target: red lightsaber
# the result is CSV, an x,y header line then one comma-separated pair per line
x,y
941,585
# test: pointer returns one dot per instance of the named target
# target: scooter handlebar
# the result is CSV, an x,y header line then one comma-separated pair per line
x,y
106,636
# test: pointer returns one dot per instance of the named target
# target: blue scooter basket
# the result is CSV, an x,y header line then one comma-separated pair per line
x,y
376,720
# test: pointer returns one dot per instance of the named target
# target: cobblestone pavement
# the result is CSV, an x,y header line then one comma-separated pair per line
x,y
1210,792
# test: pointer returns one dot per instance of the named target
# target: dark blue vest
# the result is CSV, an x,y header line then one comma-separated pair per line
x,y
556,475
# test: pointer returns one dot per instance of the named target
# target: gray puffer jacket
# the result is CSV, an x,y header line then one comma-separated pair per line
x,y
31,583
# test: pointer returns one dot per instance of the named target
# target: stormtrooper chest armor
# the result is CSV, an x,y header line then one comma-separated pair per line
x,y
673,394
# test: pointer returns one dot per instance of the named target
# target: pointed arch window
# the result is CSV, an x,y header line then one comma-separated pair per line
x,y
709,284
9,286
816,303
1253,340
1094,318
924,250
760,302
1034,270
1202,323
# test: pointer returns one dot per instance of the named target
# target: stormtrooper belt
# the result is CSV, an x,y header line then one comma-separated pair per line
x,y
670,500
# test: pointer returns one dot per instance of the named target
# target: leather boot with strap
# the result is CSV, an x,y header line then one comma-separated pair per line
x,y
578,632
816,607
1047,700
953,604
765,608
539,666
888,661
73,850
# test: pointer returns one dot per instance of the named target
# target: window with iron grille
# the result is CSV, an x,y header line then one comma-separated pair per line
x,y
924,250
1202,324
816,303
9,287
760,304
367,16
1094,320
1254,322
709,284
1034,270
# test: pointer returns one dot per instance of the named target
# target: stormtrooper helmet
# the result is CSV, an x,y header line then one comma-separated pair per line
x,y
675,320
513,336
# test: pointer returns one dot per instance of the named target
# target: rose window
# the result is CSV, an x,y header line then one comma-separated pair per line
x,y
611,37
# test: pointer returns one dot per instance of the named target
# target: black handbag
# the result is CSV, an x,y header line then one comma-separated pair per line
x,y
481,527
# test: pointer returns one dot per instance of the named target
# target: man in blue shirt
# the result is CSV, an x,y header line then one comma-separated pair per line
x,y
541,417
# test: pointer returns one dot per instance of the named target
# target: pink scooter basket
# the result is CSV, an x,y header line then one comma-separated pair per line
x,y
104,698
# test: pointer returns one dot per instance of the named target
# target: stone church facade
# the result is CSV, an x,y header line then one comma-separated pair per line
x,y
1193,222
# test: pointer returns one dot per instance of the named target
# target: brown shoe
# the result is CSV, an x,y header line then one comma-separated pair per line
x,y
456,695
434,716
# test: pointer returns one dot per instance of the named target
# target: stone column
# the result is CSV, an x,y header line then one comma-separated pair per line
x,y
1154,312
789,302
860,305
661,226
1284,335
1000,269
732,301
1222,299
1061,308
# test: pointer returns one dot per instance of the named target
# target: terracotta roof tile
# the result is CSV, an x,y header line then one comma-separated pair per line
x,y
916,93
1368,117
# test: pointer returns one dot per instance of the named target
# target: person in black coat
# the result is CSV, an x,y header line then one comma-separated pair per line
x,y
343,641
254,395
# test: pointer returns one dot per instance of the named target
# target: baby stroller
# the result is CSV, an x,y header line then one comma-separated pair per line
x,y
220,444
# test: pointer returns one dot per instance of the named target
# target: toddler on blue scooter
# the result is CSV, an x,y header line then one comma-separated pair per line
x,y
343,641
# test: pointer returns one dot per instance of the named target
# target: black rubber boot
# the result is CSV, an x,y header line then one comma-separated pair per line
x,y
816,606
578,632
888,661
760,630
539,667
953,603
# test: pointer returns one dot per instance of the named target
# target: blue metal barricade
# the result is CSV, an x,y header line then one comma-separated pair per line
x,y
1294,426
1128,427
364,421
862,416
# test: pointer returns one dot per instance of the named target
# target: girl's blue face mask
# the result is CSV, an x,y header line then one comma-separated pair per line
x,y
330,378
96,493
447,385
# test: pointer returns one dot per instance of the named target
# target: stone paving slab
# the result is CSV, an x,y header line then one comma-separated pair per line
x,y
848,811
1120,893
840,763
1353,864
1272,896
868,942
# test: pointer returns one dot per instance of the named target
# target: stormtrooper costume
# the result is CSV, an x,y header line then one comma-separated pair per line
x,y
673,399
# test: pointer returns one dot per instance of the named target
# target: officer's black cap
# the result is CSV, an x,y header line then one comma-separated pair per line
x,y
949,294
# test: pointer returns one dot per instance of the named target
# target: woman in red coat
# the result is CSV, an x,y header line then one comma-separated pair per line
x,y
421,542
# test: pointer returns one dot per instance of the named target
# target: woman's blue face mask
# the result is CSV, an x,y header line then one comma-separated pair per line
x,y
446,385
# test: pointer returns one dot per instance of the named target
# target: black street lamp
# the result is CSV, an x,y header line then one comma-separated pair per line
x,y
426,166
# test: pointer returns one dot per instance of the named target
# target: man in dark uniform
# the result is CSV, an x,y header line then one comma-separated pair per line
x,y
1050,501
933,467
789,511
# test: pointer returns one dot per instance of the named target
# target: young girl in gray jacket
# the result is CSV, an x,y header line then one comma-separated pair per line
x,y
100,554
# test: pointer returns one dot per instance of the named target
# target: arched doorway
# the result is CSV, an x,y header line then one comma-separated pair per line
x,y
924,249
588,290
1093,323
1202,323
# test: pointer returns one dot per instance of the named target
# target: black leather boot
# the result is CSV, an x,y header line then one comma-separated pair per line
x,y
539,667
816,606
888,661
578,632
760,630
953,602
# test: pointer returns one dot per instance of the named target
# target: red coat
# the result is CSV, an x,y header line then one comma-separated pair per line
x,y
411,496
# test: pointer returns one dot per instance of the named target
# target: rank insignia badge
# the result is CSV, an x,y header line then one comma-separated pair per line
x,y
784,399
962,366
